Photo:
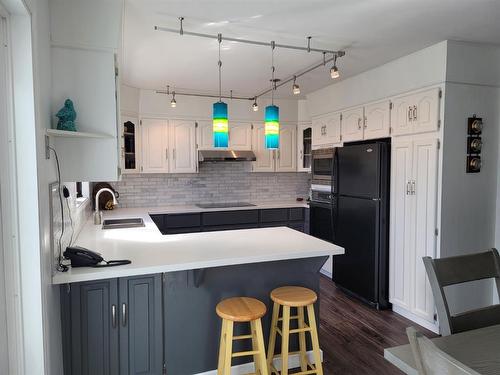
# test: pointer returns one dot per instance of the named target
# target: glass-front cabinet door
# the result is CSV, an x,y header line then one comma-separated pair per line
x,y
130,144
304,138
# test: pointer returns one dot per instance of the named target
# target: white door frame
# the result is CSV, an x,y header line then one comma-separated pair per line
x,y
8,211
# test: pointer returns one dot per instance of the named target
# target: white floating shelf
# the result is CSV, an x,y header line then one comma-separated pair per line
x,y
70,134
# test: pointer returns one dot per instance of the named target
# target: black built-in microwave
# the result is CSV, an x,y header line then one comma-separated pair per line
x,y
322,166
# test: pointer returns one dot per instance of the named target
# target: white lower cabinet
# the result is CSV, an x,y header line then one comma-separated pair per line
x,y
168,146
413,228
155,153
283,159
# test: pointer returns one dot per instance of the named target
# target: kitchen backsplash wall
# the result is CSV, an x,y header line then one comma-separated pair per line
x,y
215,182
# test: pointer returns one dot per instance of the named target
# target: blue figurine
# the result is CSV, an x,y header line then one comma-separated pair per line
x,y
66,116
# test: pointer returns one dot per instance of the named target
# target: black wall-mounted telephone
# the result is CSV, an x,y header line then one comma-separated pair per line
x,y
82,257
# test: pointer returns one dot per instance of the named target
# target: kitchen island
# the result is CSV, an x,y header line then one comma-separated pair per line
x,y
158,313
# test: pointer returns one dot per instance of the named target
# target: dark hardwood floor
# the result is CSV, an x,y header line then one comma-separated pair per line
x,y
353,336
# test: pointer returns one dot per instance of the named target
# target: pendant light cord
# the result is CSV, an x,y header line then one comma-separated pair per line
x,y
273,82
219,38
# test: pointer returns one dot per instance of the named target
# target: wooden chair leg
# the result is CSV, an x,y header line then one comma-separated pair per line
x,y
222,349
315,340
255,347
261,347
272,336
285,337
302,340
228,347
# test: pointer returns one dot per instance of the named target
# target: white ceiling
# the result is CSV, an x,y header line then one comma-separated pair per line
x,y
371,32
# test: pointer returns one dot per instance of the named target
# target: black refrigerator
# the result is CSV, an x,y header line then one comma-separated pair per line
x,y
361,220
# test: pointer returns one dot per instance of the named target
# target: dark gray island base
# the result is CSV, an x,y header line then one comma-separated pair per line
x,y
157,324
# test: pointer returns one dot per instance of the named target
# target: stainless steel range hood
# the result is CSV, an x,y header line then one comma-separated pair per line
x,y
225,155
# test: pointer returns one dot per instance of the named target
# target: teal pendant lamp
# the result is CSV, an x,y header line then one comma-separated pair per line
x,y
220,120
272,114
272,127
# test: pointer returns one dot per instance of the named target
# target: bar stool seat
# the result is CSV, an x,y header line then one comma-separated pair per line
x,y
294,296
241,310
301,299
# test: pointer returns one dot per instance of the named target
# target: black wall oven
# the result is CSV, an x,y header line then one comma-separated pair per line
x,y
322,166
321,214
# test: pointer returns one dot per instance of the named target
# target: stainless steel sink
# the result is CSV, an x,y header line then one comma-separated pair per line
x,y
133,222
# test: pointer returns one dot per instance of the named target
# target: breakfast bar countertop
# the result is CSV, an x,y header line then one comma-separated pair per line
x,y
151,252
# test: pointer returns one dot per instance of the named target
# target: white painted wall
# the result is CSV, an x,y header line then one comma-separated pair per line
x,y
129,100
89,23
303,111
420,69
153,104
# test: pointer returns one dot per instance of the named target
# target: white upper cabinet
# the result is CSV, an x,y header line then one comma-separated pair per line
x,y
130,145
155,152
240,136
204,135
264,157
326,130
286,155
377,120
182,145
416,113
352,124
304,146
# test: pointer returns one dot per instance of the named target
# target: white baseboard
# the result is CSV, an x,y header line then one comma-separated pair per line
x,y
326,273
434,327
293,362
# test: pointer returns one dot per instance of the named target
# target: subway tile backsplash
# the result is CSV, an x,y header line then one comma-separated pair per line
x,y
215,182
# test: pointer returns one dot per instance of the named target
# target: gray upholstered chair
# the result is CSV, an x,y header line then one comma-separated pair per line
x,y
443,272
431,360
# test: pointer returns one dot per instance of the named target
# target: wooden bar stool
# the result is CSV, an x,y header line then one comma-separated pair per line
x,y
294,297
241,310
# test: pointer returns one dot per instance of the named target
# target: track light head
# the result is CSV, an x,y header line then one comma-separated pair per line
x,y
295,87
173,102
255,106
334,71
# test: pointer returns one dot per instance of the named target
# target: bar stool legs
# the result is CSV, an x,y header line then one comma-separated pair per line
x,y
299,298
241,310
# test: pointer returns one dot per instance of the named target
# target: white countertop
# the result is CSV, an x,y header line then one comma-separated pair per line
x,y
151,252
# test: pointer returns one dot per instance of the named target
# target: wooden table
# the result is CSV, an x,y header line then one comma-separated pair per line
x,y
479,349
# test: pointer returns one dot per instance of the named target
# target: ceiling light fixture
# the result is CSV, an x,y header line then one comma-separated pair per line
x,y
295,87
255,106
220,122
334,71
272,115
173,102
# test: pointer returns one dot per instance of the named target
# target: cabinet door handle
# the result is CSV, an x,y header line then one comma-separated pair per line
x,y
301,154
409,113
278,152
413,183
408,188
174,154
365,121
359,123
415,111
124,314
113,316
166,154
